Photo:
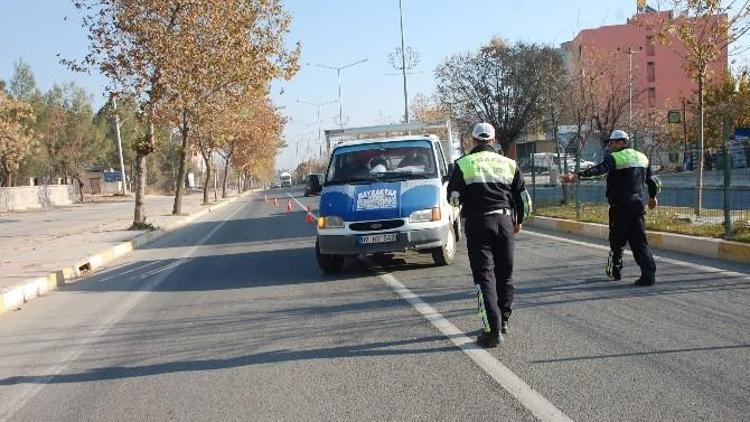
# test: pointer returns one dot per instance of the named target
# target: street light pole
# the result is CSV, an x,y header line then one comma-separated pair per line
x,y
317,116
119,144
338,70
630,53
403,61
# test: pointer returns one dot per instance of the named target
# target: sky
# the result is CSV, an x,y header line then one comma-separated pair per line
x,y
332,33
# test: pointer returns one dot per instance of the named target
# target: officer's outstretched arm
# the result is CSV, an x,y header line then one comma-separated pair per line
x,y
598,170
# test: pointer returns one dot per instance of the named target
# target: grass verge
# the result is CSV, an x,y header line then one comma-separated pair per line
x,y
667,219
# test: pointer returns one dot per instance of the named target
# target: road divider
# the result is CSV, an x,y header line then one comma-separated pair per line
x,y
695,245
13,298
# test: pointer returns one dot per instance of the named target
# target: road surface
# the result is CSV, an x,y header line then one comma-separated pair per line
x,y
230,319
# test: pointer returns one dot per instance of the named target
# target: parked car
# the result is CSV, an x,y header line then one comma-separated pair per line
x,y
313,184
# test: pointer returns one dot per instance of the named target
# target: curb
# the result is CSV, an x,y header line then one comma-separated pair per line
x,y
14,297
701,246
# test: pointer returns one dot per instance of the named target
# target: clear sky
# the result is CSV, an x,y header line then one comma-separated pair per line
x,y
333,33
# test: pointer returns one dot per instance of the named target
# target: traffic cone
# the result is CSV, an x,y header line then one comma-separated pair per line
x,y
275,202
308,216
288,205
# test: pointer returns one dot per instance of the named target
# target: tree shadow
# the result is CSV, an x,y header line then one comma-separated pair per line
x,y
386,348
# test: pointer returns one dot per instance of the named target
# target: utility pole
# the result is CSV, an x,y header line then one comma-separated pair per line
x,y
124,190
403,61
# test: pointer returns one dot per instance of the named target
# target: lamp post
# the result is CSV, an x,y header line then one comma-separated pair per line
x,y
403,61
317,116
338,70
118,124
630,51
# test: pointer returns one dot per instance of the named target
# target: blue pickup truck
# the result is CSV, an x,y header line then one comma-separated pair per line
x,y
387,195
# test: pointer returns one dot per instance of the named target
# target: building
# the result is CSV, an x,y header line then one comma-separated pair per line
x,y
659,81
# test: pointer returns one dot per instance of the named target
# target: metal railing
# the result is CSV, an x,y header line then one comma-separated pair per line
x,y
724,209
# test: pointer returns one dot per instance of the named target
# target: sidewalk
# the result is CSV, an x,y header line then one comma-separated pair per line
x,y
37,242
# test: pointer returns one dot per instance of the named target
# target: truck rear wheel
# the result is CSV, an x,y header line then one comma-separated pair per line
x,y
330,264
445,254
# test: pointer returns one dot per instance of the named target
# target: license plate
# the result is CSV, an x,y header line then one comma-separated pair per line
x,y
378,238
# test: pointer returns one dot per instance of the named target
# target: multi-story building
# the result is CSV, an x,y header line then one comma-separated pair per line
x,y
659,80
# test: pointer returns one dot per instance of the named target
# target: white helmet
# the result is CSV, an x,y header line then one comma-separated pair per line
x,y
619,134
483,132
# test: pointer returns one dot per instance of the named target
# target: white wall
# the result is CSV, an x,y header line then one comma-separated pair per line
x,y
26,197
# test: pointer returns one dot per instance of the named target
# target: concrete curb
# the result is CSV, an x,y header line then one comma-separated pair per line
x,y
701,246
13,298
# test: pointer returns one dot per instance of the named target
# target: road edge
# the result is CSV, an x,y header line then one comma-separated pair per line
x,y
702,246
13,298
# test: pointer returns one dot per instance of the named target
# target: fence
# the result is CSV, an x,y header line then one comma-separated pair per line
x,y
724,209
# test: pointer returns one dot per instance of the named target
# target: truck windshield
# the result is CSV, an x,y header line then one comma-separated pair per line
x,y
395,160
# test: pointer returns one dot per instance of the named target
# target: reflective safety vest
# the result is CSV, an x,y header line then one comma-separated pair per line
x,y
629,158
487,182
487,167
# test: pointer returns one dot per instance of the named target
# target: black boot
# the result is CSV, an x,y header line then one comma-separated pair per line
x,y
646,280
504,322
488,340
614,266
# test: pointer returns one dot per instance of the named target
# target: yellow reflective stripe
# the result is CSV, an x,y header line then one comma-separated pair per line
x,y
482,311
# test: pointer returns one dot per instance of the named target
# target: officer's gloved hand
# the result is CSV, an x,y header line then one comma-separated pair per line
x,y
455,199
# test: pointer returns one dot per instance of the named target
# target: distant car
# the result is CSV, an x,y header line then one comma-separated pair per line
x,y
275,186
313,184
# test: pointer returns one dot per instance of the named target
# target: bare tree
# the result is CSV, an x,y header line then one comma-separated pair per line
x,y
499,84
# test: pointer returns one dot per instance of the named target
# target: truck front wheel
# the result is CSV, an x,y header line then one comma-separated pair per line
x,y
330,264
445,254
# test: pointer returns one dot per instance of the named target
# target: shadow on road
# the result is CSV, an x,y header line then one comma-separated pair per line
x,y
351,351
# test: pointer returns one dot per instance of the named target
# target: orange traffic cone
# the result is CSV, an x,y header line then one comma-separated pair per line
x,y
288,205
275,202
308,216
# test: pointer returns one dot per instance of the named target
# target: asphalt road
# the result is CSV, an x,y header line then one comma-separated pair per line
x,y
230,319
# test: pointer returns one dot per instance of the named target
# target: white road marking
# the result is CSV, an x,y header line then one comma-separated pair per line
x,y
537,404
116,274
304,208
694,266
10,405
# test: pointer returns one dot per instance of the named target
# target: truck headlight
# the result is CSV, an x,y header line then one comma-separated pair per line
x,y
423,216
330,222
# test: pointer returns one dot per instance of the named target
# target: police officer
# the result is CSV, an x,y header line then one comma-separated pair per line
x,y
628,175
491,189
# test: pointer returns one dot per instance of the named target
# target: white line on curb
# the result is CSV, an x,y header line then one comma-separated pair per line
x,y
10,406
537,404
698,267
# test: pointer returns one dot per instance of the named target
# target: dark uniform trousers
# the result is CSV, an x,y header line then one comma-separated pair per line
x,y
628,225
489,239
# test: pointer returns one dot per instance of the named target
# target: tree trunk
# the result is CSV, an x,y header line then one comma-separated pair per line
x,y
699,181
139,215
226,175
77,178
207,180
182,173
